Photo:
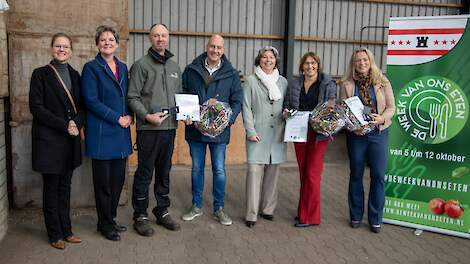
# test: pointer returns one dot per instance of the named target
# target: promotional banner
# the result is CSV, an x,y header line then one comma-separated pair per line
x,y
428,176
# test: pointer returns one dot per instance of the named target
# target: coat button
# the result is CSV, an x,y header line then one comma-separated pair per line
x,y
271,102
272,126
272,114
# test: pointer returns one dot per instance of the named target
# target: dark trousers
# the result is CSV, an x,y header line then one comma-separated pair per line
x,y
373,149
56,205
155,149
108,179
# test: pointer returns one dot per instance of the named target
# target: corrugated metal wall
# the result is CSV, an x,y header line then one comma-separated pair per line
x,y
250,25
332,28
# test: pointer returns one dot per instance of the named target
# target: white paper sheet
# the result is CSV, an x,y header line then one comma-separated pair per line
x,y
297,127
188,106
357,108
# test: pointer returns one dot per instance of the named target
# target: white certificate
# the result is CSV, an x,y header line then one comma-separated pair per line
x,y
297,127
357,108
188,107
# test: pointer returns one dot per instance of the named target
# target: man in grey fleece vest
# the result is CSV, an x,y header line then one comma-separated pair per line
x,y
154,81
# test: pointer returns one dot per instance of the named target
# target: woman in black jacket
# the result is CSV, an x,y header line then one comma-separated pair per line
x,y
54,102
312,88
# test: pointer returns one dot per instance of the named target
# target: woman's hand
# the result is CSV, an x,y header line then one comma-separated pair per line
x,y
285,113
359,132
72,128
255,138
125,121
188,121
377,119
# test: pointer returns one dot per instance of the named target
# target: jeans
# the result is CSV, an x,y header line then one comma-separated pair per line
x,y
197,150
370,148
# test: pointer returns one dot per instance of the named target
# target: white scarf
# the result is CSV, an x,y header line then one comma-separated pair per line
x,y
269,81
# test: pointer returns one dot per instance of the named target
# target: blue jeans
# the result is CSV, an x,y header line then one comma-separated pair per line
x,y
370,148
197,150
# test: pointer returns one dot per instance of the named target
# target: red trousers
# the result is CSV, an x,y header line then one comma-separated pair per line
x,y
310,160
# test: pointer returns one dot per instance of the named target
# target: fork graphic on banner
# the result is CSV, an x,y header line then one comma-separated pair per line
x,y
434,112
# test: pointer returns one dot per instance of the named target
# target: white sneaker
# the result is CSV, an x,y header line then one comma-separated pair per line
x,y
222,217
192,213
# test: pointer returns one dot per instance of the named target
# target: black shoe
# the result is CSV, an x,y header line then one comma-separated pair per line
x,y
250,224
112,235
120,228
142,226
167,222
267,217
355,224
303,225
375,228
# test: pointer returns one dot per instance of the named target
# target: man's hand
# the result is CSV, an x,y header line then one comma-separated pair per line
x,y
156,118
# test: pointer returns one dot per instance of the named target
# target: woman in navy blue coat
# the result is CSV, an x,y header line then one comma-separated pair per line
x,y
108,140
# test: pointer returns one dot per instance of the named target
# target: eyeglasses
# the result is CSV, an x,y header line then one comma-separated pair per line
x,y
310,63
61,47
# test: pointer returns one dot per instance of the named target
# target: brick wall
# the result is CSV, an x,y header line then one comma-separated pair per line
x,y
3,93
3,176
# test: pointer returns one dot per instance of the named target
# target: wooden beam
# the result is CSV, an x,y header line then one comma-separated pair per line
x,y
415,3
271,37
208,34
346,41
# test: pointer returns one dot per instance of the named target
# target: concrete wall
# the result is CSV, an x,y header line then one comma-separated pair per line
x,y
30,27
3,93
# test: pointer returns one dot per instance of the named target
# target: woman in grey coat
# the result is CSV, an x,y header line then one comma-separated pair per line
x,y
264,93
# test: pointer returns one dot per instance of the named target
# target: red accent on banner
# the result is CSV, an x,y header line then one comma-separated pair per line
x,y
426,31
416,52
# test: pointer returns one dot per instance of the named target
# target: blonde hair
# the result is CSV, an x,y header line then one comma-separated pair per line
x,y
375,73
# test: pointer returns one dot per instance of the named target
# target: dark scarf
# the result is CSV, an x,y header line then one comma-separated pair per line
x,y
159,58
365,82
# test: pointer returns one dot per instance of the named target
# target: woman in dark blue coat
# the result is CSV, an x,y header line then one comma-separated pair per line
x,y
108,141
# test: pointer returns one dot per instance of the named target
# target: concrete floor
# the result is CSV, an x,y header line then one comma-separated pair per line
x,y
206,241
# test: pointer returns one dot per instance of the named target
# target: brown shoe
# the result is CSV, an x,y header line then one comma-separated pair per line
x,y
59,244
73,239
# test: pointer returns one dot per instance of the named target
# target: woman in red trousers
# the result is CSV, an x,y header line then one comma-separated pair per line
x,y
304,94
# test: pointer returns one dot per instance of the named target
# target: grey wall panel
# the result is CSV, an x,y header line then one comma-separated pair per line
x,y
208,16
335,26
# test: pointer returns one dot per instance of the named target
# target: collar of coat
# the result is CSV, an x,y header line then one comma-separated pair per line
x,y
159,58
109,72
226,69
